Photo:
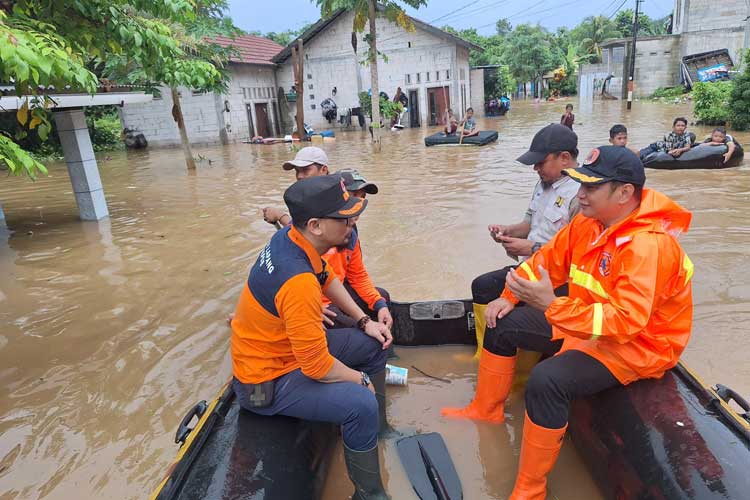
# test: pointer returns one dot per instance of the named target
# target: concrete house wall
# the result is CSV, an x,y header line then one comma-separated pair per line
x,y
206,117
416,61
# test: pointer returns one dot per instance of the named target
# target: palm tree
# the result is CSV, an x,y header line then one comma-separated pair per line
x,y
593,31
364,11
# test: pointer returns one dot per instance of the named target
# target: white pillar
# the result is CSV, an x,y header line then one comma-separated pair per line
x,y
82,168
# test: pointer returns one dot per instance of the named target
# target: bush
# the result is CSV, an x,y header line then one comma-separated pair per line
x,y
106,133
739,99
711,102
668,92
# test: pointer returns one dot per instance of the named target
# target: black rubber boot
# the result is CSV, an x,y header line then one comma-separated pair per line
x,y
364,472
385,431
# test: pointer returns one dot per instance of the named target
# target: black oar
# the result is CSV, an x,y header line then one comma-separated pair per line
x,y
433,475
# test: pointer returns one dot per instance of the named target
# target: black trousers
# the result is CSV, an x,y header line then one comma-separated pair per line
x,y
487,287
555,381
344,321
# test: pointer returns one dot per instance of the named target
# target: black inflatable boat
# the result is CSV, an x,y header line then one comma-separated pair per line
x,y
484,137
703,156
669,439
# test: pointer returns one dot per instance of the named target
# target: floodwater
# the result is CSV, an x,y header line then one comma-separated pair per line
x,y
110,331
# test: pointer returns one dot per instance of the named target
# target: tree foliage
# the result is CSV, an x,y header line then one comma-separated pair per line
x,y
592,32
646,26
54,45
739,98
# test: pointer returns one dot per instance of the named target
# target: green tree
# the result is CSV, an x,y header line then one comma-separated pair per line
x,y
366,11
503,27
528,53
71,43
739,98
646,26
592,32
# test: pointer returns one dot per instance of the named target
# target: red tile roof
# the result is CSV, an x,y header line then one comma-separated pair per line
x,y
251,49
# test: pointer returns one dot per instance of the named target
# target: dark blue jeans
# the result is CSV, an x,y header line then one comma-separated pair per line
x,y
350,405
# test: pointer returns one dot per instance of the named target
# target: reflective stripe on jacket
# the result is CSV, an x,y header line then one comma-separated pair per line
x,y
277,325
630,302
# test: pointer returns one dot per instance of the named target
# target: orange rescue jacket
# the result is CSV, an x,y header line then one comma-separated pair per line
x,y
348,265
277,327
630,303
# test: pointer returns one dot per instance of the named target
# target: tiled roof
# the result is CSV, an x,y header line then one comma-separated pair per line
x,y
251,49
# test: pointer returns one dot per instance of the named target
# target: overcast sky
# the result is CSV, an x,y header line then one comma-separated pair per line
x,y
281,15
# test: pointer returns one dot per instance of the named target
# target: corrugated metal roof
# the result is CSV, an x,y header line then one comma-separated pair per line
x,y
251,49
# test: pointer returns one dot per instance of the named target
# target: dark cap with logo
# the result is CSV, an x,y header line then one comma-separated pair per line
x,y
354,181
322,197
553,138
609,163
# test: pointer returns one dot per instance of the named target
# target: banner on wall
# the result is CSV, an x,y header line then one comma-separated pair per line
x,y
714,72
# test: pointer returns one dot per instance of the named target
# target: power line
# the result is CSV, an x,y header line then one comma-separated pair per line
x,y
457,10
476,11
617,10
609,6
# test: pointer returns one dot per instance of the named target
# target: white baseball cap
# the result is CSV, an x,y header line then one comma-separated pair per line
x,y
306,157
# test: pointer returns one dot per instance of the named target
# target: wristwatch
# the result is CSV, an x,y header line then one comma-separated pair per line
x,y
365,380
361,322
535,247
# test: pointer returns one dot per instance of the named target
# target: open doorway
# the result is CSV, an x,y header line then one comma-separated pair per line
x,y
439,101
261,115
414,108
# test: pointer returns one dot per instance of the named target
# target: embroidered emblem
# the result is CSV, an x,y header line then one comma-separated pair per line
x,y
592,157
559,202
344,191
605,264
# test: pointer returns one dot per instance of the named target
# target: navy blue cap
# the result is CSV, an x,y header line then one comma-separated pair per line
x,y
322,197
609,163
554,138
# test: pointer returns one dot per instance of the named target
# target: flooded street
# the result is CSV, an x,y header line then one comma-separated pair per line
x,y
110,331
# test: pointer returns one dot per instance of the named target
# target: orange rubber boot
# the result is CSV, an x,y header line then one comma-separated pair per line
x,y
494,380
539,450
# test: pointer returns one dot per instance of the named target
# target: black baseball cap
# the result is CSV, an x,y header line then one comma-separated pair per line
x,y
609,163
322,197
551,139
354,181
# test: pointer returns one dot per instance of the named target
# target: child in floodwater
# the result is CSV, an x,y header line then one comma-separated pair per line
x,y
719,137
568,119
618,136
451,124
469,124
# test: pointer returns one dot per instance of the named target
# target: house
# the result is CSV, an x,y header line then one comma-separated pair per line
x,y
699,27
430,65
250,107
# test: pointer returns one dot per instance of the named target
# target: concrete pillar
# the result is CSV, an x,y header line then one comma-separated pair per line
x,y
82,168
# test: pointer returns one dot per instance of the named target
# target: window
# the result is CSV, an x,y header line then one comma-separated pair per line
x,y
310,86
255,93
409,44
447,74
407,79
427,75
198,92
309,76
667,52
618,55
437,76
653,53
312,96
419,77
312,106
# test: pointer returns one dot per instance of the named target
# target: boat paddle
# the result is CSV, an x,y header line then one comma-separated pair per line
x,y
429,467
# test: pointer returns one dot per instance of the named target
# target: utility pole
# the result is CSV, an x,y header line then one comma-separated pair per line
x,y
631,72
298,66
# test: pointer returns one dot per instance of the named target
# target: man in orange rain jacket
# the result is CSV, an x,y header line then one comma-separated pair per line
x,y
347,263
627,317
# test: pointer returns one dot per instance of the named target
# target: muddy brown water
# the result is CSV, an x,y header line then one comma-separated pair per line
x,y
110,331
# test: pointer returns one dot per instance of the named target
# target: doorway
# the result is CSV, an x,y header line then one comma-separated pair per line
x,y
261,115
250,127
414,108
439,101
